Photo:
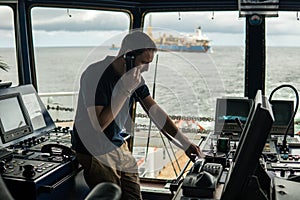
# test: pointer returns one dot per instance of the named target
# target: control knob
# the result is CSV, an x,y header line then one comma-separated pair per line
x,y
28,171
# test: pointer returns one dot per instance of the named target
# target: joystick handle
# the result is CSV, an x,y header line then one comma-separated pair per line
x,y
28,171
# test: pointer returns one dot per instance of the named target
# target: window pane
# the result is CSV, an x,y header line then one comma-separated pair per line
x,y
66,41
283,49
200,58
8,46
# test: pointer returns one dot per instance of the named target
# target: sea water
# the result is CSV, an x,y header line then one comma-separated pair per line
x,y
187,83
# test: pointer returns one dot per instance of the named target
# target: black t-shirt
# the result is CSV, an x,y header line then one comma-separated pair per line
x,y
96,89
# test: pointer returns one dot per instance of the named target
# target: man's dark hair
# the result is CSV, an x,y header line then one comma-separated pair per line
x,y
136,42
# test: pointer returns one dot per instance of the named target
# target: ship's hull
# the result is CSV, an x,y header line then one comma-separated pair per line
x,y
183,48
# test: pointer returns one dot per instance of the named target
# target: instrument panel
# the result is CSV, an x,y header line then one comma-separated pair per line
x,y
36,161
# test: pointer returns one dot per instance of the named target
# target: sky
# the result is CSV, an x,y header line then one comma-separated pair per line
x,y
74,27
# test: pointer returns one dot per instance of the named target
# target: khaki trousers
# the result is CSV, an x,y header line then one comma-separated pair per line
x,y
117,166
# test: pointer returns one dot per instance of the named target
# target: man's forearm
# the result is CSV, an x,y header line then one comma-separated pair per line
x,y
164,122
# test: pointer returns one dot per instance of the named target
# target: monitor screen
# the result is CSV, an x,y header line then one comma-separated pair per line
x,y
251,144
14,119
283,111
227,110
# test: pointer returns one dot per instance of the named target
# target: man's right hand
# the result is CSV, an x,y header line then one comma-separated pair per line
x,y
194,151
131,80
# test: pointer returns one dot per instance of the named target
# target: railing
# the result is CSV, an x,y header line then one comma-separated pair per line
x,y
60,105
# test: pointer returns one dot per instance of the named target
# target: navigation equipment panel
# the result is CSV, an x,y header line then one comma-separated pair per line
x,y
283,111
14,119
227,110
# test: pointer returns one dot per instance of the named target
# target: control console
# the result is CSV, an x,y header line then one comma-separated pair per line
x,y
38,164
36,161
26,169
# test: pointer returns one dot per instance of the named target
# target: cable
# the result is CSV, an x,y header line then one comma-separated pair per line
x,y
284,142
175,171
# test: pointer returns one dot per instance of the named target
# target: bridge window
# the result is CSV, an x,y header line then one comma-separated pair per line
x,y
283,49
65,42
200,58
8,47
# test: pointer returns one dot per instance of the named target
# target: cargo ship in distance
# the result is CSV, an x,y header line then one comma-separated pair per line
x,y
196,42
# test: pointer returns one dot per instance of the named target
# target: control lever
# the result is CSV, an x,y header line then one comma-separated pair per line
x,y
202,180
197,167
175,184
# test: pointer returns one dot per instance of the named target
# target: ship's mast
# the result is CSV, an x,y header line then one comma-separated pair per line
x,y
149,27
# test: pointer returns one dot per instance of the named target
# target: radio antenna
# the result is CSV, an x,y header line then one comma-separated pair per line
x,y
162,131
153,96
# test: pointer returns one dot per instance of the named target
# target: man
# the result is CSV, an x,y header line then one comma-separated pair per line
x,y
107,91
